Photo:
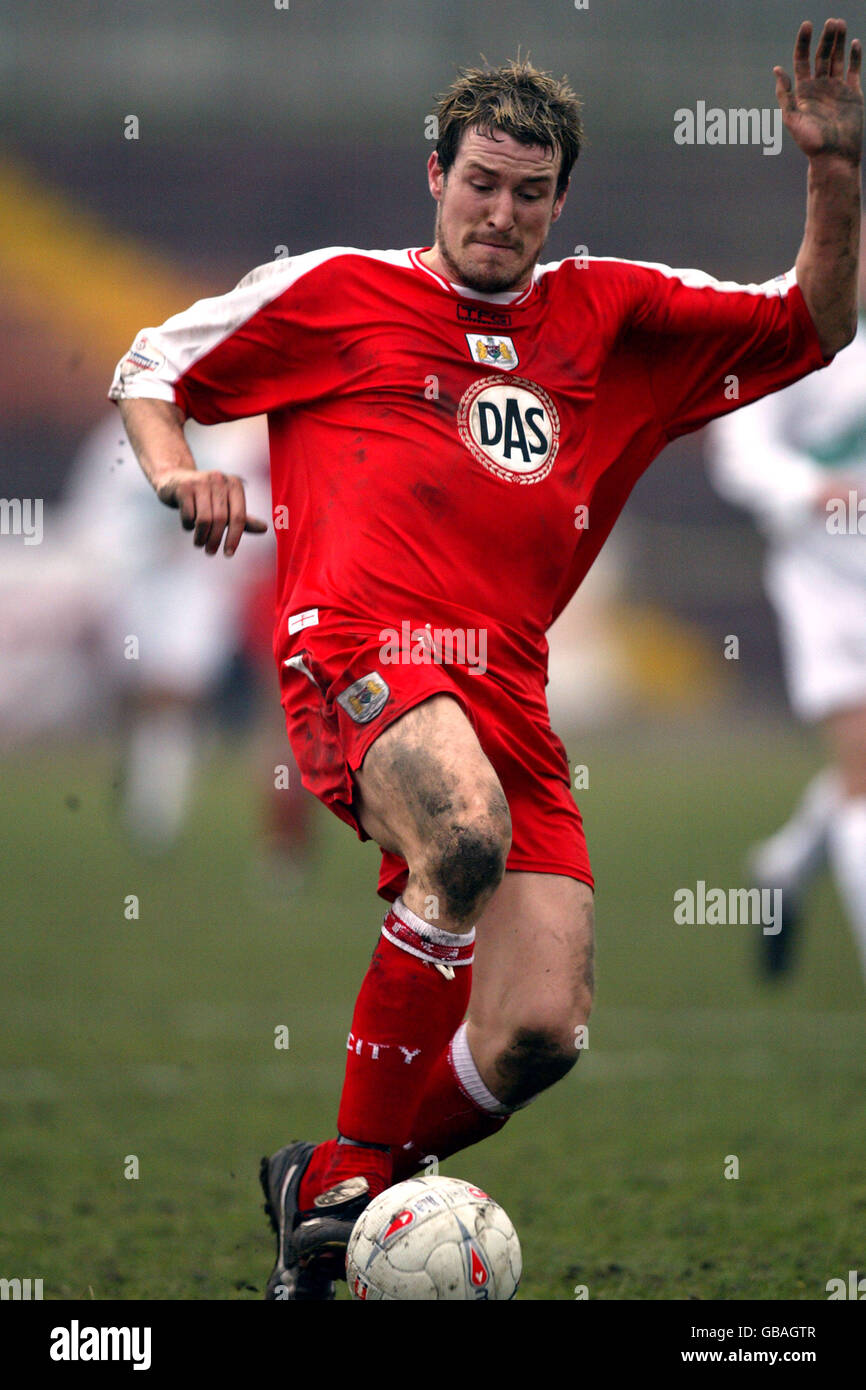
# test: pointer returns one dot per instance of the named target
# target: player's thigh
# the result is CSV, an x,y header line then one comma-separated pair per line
x,y
845,731
534,955
425,775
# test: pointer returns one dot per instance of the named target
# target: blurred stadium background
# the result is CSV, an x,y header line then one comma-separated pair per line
x,y
262,128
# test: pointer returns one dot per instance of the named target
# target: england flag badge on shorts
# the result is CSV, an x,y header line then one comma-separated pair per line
x,y
365,698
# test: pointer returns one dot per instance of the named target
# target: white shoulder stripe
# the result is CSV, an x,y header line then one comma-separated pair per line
x,y
692,279
161,356
287,269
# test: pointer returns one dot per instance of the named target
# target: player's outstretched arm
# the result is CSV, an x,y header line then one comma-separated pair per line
x,y
211,504
824,114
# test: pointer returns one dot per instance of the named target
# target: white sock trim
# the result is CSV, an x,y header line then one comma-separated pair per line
x,y
437,935
469,1078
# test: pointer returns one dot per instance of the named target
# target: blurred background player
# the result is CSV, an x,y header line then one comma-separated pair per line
x,y
179,645
797,461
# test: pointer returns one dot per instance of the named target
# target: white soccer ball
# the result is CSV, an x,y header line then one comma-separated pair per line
x,y
433,1237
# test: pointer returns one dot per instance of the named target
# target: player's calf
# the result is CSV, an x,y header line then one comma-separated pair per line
x,y
533,987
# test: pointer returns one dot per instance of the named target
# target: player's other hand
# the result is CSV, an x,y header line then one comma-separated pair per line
x,y
212,505
824,111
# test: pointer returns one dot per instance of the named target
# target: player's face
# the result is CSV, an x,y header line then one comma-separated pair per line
x,y
494,212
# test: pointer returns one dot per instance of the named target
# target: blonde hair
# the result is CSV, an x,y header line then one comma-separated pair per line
x,y
517,99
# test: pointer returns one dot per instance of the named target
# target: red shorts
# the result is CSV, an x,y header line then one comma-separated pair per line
x,y
340,696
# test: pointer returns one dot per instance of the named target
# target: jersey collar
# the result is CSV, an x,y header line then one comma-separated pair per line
x,y
462,291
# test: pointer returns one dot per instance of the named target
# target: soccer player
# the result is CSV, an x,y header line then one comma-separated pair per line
x,y
454,431
796,460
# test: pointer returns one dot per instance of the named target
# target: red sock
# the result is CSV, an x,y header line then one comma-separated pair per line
x,y
406,1011
447,1120
313,1181
333,1161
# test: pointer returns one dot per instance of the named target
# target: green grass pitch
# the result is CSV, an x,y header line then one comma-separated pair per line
x,y
154,1038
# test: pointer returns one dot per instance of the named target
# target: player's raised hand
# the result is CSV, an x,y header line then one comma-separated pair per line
x,y
824,111
211,504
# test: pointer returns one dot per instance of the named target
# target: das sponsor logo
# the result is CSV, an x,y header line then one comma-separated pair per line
x,y
511,426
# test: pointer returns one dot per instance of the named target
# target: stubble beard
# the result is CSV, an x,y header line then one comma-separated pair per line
x,y
490,281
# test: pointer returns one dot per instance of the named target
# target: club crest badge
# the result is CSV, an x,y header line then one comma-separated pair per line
x,y
493,350
365,698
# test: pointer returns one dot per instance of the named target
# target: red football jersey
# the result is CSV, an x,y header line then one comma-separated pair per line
x,y
454,458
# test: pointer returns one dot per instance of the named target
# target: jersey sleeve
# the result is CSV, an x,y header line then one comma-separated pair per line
x,y
244,353
712,346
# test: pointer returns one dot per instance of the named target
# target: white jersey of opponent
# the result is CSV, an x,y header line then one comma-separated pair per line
x,y
776,458
183,607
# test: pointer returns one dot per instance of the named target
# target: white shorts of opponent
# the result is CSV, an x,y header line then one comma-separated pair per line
x,y
819,593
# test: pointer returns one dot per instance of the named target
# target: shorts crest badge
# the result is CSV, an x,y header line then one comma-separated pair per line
x,y
365,698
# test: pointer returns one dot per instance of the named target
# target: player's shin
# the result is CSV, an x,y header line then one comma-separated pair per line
x,y
414,995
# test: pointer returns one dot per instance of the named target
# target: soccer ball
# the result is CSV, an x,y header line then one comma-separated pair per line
x,y
433,1237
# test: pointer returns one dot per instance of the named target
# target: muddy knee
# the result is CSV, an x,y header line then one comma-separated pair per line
x,y
534,1058
464,860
